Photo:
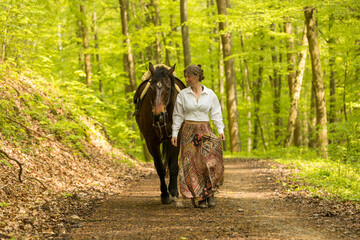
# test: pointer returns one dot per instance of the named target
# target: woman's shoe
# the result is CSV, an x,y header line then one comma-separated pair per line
x,y
202,204
211,201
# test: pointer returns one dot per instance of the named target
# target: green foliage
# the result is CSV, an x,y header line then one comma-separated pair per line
x,y
5,162
43,38
67,195
335,179
4,204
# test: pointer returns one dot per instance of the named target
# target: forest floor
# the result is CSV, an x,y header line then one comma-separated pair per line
x,y
255,202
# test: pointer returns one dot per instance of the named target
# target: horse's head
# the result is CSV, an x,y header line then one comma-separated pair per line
x,y
161,89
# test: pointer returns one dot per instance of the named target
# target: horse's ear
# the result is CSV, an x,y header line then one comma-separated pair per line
x,y
151,68
171,70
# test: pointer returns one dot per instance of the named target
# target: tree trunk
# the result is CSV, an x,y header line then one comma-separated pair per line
x,y
221,84
332,113
233,116
345,91
128,57
156,20
247,95
79,43
4,41
321,121
305,128
357,71
212,33
257,96
291,79
86,44
171,43
96,40
295,93
276,86
185,33
331,42
312,119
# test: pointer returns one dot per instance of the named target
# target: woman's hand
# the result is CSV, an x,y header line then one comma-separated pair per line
x,y
222,136
174,141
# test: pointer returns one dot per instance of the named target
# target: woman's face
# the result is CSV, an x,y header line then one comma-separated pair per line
x,y
191,79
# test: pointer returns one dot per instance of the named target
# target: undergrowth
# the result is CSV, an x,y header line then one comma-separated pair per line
x,y
32,110
333,178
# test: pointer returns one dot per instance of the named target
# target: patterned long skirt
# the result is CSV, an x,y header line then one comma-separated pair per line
x,y
201,164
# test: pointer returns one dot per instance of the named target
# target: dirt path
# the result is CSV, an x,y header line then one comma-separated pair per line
x,y
250,205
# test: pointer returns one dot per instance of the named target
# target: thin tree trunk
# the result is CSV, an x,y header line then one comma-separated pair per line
x,y
4,41
305,128
247,95
276,86
331,42
233,116
96,40
185,33
312,119
140,58
171,43
257,97
321,120
345,91
156,20
295,93
128,57
291,80
212,32
221,84
332,113
79,35
86,44
174,29
357,71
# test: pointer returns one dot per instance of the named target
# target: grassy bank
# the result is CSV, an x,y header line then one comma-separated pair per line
x,y
326,178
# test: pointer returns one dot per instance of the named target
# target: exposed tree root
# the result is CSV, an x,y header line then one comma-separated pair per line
x,y
17,161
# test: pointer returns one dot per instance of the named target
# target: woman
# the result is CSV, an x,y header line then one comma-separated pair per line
x,y
201,162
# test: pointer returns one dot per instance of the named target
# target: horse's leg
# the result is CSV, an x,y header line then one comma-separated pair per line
x,y
172,159
174,171
160,169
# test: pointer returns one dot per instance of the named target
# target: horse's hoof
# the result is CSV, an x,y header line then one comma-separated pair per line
x,y
167,200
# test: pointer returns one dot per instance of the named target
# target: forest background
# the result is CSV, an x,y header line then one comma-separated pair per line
x,y
255,57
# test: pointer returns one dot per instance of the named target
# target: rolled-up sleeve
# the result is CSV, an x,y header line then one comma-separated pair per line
x,y
178,116
215,114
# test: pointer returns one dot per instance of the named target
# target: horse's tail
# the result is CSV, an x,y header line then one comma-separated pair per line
x,y
165,155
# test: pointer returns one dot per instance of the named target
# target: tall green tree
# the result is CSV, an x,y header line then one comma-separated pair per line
x,y
185,33
85,37
233,115
321,118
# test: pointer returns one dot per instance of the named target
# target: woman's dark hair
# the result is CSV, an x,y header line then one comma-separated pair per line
x,y
195,70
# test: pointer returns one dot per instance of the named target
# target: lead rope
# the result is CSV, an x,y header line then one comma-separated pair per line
x,y
160,135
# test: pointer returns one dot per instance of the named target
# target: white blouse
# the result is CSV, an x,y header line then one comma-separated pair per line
x,y
187,108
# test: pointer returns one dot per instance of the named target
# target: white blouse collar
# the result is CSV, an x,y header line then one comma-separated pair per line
x,y
205,90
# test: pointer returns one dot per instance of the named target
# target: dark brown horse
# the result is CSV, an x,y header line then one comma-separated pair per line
x,y
155,98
